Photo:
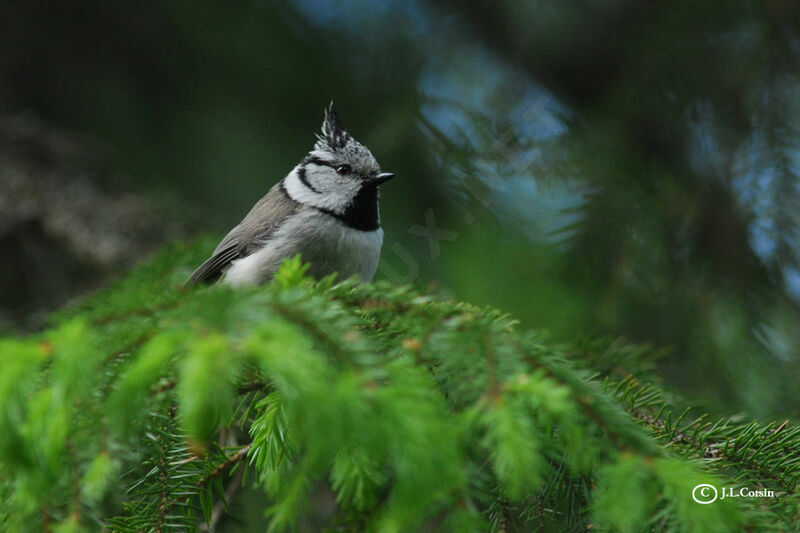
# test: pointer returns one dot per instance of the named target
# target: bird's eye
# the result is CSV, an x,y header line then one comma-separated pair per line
x,y
343,169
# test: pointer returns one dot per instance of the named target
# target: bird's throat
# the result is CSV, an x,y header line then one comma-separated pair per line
x,y
362,213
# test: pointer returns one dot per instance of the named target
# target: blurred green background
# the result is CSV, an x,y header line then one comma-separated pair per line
x,y
617,168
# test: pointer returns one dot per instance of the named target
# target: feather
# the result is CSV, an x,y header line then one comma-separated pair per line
x,y
252,233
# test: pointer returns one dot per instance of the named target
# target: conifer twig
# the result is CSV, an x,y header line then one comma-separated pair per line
x,y
235,458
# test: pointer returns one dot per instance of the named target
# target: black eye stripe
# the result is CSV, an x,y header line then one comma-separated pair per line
x,y
301,173
317,161
314,160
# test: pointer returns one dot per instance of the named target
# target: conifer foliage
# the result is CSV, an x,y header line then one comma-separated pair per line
x,y
355,407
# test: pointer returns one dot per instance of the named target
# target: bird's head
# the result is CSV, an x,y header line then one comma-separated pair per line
x,y
337,172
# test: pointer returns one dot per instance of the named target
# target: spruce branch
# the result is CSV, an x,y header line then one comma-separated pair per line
x,y
407,409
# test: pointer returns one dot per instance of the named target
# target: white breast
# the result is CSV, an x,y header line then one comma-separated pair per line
x,y
322,240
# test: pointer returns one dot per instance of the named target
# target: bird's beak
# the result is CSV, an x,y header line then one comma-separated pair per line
x,y
380,178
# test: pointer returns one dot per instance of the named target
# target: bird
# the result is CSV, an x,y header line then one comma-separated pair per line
x,y
326,209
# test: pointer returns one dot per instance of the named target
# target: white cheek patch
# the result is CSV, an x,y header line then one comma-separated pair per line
x,y
297,190
334,195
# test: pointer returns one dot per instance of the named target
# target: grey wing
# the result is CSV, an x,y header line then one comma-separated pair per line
x,y
251,234
213,267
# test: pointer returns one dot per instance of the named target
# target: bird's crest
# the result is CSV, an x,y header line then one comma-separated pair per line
x,y
333,135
